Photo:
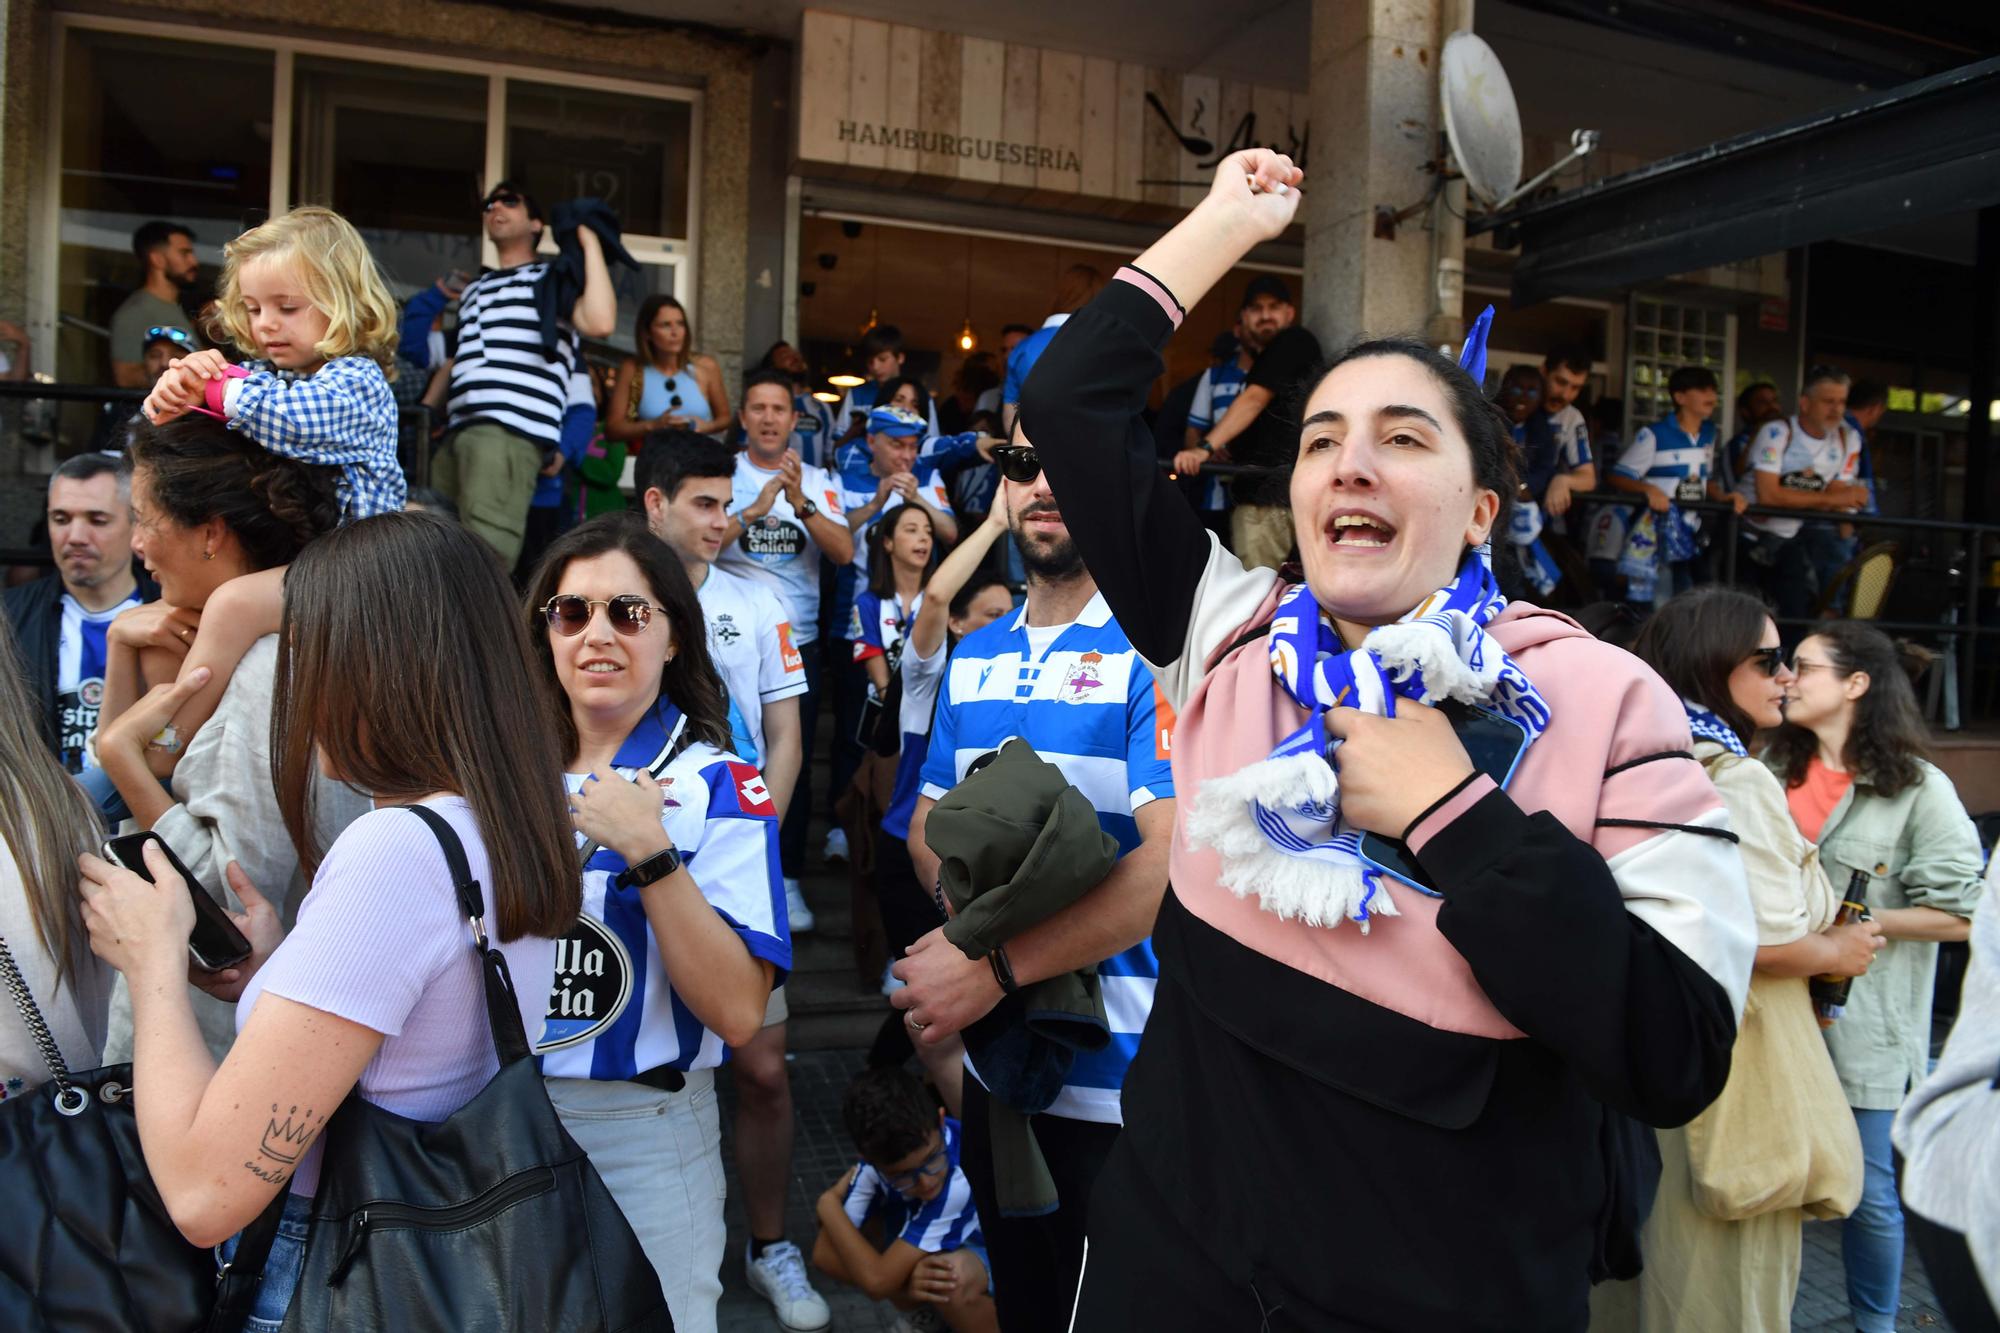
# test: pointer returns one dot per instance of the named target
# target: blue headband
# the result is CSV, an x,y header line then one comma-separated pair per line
x,y
1472,356
894,421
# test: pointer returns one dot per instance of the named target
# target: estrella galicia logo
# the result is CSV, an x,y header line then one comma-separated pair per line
x,y
593,984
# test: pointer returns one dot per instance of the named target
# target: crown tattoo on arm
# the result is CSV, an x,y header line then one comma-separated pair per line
x,y
285,1141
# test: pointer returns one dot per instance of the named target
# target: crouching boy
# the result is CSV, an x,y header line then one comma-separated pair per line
x,y
900,1224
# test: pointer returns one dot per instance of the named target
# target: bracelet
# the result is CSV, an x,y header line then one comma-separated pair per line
x,y
1003,971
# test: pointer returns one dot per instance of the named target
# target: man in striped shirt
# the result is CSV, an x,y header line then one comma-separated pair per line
x,y
507,388
1061,674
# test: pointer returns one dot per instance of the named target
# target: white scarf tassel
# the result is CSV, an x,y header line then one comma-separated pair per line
x,y
1309,889
1446,675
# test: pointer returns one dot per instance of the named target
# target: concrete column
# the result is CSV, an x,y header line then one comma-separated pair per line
x,y
1375,128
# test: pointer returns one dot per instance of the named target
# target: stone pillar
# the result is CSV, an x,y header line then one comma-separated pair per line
x,y
1375,129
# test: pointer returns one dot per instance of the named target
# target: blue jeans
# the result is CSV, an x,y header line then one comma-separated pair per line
x,y
281,1270
1871,1239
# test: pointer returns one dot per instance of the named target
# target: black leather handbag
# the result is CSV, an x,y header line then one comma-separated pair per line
x,y
492,1219
88,1244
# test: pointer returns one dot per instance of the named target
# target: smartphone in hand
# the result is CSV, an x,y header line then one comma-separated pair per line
x,y
216,943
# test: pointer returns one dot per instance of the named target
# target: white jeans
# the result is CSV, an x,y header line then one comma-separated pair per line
x,y
660,1154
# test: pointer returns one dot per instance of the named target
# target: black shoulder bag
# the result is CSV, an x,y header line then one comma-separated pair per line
x,y
89,1243
492,1219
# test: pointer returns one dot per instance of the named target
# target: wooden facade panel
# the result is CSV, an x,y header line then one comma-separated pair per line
x,y
825,51
1059,123
982,77
868,91
904,93
1018,108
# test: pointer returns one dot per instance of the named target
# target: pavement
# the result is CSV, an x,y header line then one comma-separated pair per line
x,y
824,980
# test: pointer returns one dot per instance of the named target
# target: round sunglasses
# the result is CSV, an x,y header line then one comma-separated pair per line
x,y
569,615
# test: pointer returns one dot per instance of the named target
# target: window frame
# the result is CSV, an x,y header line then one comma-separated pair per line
x,y
680,256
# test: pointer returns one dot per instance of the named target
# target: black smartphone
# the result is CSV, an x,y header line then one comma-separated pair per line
x,y
1494,744
216,943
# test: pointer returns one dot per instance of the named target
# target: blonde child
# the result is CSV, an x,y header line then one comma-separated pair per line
x,y
301,296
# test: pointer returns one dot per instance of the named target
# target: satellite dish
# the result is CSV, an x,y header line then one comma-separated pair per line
x,y
1481,119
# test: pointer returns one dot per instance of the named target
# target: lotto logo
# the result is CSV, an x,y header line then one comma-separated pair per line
x,y
752,796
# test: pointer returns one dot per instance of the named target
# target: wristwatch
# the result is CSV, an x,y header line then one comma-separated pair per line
x,y
1204,446
649,871
806,510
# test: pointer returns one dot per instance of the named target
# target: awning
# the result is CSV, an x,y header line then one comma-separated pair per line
x,y
1922,149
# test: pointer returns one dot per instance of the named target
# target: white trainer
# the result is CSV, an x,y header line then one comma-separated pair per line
x,y
835,851
779,1276
797,914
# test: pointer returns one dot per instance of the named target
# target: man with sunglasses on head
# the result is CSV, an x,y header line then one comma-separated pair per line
x,y
1061,674
507,388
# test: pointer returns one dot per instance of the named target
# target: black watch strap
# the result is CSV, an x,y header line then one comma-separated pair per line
x,y
649,871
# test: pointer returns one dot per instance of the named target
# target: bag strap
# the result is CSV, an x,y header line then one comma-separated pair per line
x,y
503,1011
68,1098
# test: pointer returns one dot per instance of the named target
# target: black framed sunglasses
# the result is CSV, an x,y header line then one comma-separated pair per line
x,y
569,615
1769,660
507,197
1017,462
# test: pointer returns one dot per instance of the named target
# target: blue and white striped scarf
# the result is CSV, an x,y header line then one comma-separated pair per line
x,y
1706,726
1276,825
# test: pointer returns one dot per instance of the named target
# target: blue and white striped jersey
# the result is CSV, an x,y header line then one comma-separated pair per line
x,y
1218,388
1662,455
613,1010
939,1226
1089,706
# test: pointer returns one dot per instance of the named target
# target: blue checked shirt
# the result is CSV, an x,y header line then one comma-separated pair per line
x,y
343,416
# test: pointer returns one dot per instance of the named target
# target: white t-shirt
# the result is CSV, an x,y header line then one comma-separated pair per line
x,y
778,550
751,640
80,678
1784,448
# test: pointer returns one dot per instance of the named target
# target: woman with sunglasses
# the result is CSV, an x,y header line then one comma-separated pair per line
x,y
1401,981
1851,758
683,932
668,385
1723,1242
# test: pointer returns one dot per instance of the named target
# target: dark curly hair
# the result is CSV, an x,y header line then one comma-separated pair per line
x,y
888,1114
1887,736
690,681
1488,433
197,469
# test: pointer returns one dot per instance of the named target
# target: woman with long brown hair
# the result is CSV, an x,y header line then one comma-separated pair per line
x,y
45,822
406,673
1724,1240
667,385
683,933
1891,830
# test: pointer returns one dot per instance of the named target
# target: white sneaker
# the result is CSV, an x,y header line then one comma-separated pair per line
x,y
779,1276
798,915
836,846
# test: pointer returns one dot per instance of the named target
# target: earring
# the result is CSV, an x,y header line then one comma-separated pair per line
x,y
208,555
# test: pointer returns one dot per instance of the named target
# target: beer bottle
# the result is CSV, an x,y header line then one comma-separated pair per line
x,y
1829,992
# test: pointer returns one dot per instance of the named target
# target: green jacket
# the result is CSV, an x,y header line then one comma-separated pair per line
x,y
1919,849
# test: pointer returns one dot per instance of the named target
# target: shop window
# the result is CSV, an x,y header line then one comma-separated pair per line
x,y
1665,336
151,128
400,153
631,152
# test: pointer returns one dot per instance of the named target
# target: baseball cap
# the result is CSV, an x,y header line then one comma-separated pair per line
x,y
1266,284
894,421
